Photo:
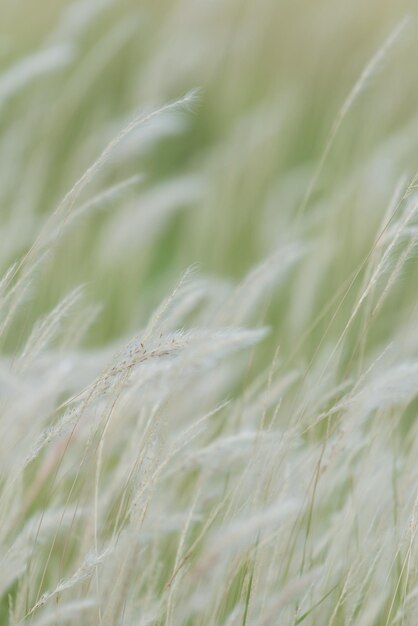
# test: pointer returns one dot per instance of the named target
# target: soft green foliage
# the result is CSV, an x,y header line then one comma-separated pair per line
x,y
208,305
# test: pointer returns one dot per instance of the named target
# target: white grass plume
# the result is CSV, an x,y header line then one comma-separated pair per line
x,y
157,467
358,87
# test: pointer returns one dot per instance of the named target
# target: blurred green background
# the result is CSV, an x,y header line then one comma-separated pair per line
x,y
220,185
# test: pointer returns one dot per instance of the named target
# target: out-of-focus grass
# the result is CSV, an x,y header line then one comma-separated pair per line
x,y
130,492
273,77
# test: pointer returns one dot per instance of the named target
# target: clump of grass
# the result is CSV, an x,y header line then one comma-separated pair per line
x,y
241,451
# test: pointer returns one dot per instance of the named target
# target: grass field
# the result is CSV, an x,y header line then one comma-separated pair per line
x,y
208,313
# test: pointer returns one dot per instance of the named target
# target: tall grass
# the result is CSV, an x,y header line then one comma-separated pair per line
x,y
208,305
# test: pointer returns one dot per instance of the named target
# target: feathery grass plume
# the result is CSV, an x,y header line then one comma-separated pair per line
x,y
369,70
98,202
239,450
84,572
44,332
66,206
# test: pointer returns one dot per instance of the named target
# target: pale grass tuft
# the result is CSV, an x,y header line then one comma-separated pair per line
x,y
232,444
